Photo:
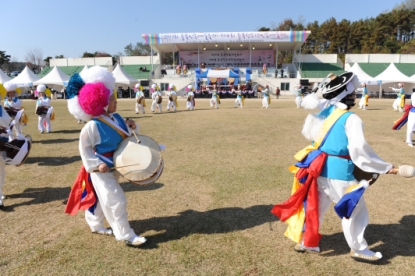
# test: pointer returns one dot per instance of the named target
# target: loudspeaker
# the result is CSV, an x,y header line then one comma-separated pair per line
x,y
145,83
304,82
413,89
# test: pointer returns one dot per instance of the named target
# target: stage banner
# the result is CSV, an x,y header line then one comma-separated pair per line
x,y
280,36
228,57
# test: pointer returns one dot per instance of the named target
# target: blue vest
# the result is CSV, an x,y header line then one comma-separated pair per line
x,y
109,137
401,92
364,92
336,145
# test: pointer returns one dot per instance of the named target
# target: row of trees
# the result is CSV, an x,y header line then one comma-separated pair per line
x,y
389,33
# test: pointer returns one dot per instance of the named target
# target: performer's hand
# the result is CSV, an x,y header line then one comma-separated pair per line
x,y
130,123
103,168
393,171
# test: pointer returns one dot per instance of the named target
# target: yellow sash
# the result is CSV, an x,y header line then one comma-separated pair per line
x,y
123,135
243,101
296,222
402,103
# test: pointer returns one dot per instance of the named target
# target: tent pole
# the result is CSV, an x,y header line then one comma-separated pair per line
x,y
173,55
198,57
250,49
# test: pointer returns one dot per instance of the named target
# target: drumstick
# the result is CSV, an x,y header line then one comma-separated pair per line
x,y
119,167
138,140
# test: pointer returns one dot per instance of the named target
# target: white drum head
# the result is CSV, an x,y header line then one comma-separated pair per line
x,y
138,161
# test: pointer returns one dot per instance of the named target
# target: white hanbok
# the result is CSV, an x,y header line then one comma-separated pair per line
x,y
154,105
332,190
171,104
44,101
4,123
138,106
112,203
190,104
18,127
410,128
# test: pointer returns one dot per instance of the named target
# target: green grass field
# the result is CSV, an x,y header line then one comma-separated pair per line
x,y
209,213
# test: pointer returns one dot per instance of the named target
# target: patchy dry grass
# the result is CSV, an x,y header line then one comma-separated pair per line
x,y
208,214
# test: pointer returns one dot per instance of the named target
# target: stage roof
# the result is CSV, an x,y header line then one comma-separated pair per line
x,y
283,41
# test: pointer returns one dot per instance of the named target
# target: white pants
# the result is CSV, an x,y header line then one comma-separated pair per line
x,y
214,103
238,101
410,127
41,121
298,101
112,205
189,105
395,105
138,107
2,174
172,105
265,102
153,106
330,190
362,103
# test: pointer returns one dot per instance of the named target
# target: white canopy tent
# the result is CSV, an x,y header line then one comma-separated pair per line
x,y
26,78
3,77
362,75
84,70
56,76
121,77
392,75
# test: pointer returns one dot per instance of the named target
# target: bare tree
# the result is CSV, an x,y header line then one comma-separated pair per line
x,y
34,59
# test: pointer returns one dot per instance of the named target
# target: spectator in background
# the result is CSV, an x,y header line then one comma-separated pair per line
x,y
282,73
277,92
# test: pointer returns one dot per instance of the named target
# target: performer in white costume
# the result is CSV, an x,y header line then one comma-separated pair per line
x,y
299,96
98,140
215,100
44,102
172,98
14,105
399,103
266,97
239,97
411,122
190,104
364,99
343,147
156,96
140,99
4,126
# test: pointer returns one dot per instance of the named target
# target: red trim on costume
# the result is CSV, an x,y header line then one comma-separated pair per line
x,y
307,190
75,200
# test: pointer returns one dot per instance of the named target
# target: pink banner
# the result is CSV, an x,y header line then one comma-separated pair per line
x,y
223,57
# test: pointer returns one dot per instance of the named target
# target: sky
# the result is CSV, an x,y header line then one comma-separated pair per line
x,y
72,27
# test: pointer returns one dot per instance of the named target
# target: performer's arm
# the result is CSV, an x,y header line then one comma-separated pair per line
x,y
88,139
397,90
4,119
361,153
359,89
17,104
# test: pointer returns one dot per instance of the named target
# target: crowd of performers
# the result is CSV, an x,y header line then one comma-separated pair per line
x,y
323,173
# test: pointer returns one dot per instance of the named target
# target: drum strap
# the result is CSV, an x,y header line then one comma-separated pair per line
x,y
123,135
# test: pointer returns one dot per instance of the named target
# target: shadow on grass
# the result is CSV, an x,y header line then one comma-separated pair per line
x,y
129,187
53,161
69,130
55,141
190,222
396,240
38,196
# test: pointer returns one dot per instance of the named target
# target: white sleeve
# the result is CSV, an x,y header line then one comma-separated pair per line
x,y
397,90
17,104
4,119
88,139
413,99
359,89
360,151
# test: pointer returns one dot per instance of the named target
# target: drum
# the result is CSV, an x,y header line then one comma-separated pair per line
x,y
140,163
190,98
11,111
140,100
159,99
359,174
42,110
16,151
18,114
